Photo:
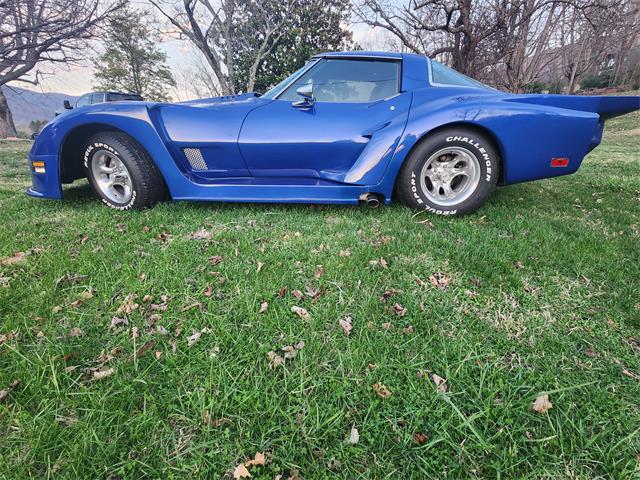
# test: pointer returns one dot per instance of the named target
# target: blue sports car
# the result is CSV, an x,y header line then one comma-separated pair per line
x,y
348,127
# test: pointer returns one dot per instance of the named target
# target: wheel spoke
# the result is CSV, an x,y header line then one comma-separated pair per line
x,y
453,173
446,186
460,171
111,176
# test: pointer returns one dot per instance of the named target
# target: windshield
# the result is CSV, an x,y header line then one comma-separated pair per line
x,y
275,91
443,75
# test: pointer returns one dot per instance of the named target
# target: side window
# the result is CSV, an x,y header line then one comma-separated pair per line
x,y
443,75
84,100
348,81
97,98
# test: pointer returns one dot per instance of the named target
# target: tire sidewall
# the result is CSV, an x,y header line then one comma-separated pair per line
x,y
91,147
479,146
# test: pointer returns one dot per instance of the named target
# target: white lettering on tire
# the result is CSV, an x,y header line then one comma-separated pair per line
x,y
87,155
483,152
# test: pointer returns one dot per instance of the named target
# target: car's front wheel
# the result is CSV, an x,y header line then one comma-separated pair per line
x,y
451,172
121,172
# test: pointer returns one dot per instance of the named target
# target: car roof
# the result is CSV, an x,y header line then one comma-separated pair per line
x,y
367,54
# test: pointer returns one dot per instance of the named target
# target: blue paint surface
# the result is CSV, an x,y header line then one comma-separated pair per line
x,y
266,150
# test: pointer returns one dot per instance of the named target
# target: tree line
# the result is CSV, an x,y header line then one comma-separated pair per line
x,y
249,45
512,44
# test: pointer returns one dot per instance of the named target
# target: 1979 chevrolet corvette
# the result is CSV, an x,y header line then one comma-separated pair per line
x,y
347,127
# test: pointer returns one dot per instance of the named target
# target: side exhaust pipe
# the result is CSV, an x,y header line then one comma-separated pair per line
x,y
371,200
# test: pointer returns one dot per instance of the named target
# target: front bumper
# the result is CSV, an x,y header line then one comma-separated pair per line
x,y
45,183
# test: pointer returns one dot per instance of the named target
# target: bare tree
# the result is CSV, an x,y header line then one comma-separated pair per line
x,y
36,32
595,36
510,43
453,29
213,27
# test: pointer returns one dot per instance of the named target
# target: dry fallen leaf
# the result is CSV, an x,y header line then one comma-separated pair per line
x,y
241,472
5,393
419,438
289,351
542,404
441,383
388,293
383,263
354,436
298,294
147,298
135,332
301,312
201,234
145,348
18,257
67,421
319,271
196,336
346,324
345,253
116,322
87,294
439,280
263,307
258,459
381,390
161,307
76,332
100,374
215,260
193,305
70,279
157,354
275,360
161,330
399,310
259,266
208,291
129,304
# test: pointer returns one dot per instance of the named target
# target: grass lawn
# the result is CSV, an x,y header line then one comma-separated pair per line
x,y
536,293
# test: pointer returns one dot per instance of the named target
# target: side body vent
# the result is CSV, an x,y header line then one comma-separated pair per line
x,y
195,158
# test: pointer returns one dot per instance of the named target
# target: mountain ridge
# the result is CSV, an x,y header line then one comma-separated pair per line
x,y
28,105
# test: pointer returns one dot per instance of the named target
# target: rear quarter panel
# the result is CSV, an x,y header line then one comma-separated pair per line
x,y
528,136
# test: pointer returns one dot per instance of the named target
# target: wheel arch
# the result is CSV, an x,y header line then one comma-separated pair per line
x,y
70,157
467,126
71,152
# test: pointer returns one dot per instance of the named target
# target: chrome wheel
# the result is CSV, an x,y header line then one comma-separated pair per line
x,y
450,176
111,176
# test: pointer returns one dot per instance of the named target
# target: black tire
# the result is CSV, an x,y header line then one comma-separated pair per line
x,y
411,191
147,185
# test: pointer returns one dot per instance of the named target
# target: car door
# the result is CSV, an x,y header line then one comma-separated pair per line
x,y
346,134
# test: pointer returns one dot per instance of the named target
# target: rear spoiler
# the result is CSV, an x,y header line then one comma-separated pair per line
x,y
606,107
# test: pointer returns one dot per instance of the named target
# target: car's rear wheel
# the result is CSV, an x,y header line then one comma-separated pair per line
x,y
121,172
452,172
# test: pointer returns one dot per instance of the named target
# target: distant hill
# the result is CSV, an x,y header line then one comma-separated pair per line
x,y
27,105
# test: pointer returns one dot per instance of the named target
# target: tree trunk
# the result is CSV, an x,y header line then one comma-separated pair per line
x,y
7,128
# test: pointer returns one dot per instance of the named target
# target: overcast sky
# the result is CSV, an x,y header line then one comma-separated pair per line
x,y
78,79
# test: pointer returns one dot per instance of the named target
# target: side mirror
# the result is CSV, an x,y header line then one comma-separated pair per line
x,y
306,92
67,105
